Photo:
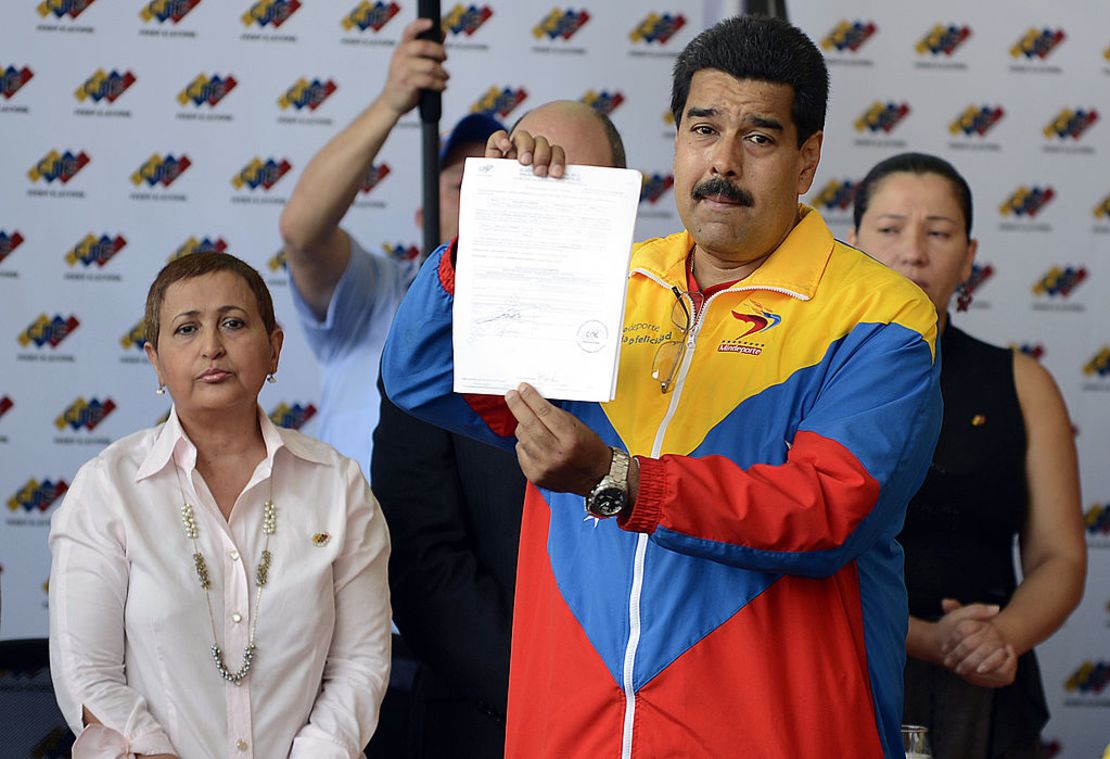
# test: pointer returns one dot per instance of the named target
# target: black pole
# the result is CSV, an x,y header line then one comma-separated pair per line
x,y
431,110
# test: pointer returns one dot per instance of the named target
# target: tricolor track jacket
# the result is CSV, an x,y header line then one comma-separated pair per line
x,y
751,604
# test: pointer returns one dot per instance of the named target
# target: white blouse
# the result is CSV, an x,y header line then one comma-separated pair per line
x,y
129,624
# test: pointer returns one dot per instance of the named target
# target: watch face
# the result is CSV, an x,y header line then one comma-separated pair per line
x,y
607,502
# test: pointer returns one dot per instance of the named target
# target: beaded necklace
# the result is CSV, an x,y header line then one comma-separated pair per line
x,y
269,525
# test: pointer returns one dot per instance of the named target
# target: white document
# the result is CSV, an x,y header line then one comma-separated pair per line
x,y
540,278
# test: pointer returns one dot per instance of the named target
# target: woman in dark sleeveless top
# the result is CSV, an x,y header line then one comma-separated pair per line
x,y
1005,465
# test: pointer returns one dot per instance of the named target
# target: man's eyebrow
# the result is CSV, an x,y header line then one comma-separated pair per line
x,y
696,112
766,122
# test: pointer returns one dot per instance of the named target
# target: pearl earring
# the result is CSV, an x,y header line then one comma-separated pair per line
x,y
271,378
161,390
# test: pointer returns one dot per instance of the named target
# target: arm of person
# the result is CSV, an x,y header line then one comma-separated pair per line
x,y
857,456
317,250
1053,550
934,642
356,672
88,593
418,360
447,603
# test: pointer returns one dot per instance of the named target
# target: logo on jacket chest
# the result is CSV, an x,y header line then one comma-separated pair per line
x,y
750,339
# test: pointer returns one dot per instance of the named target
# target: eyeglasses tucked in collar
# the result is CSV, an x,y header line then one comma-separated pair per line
x,y
668,357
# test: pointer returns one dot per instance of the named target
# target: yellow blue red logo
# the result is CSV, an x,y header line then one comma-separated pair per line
x,y
1060,281
134,337
560,24
377,173
466,19
657,28
48,331
1090,679
1071,123
943,39
654,186
603,102
1034,351
499,101
278,261
259,173
755,324
60,8
1099,365
401,252
292,417
95,250
193,245
58,166
980,273
1102,210
37,496
306,94
1037,43
270,13
207,89
13,79
836,195
167,10
85,414
882,117
976,120
163,170
105,86
761,322
9,242
373,16
849,36
1027,202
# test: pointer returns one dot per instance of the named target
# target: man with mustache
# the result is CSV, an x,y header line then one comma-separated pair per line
x,y
777,404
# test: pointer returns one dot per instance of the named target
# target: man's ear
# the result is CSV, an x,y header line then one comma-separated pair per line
x,y
851,238
810,157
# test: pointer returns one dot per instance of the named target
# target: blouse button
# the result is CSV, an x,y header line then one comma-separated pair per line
x,y
236,617
234,555
241,744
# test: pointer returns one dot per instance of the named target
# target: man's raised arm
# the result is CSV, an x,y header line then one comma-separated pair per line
x,y
316,249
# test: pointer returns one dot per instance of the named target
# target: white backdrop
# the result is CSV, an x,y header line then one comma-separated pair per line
x,y
136,131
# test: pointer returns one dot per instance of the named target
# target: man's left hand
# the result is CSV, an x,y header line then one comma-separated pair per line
x,y
555,450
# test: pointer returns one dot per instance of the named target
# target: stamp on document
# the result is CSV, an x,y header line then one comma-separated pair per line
x,y
592,336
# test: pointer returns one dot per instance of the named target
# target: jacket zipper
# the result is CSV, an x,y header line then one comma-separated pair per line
x,y
642,540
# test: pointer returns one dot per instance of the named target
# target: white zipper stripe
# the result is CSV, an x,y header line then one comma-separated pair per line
x,y
642,539
633,643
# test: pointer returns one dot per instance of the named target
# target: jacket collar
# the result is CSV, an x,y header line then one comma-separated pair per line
x,y
794,268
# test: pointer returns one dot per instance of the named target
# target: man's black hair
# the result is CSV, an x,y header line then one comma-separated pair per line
x,y
764,49
912,163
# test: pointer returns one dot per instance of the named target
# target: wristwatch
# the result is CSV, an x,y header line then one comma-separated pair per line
x,y
609,496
